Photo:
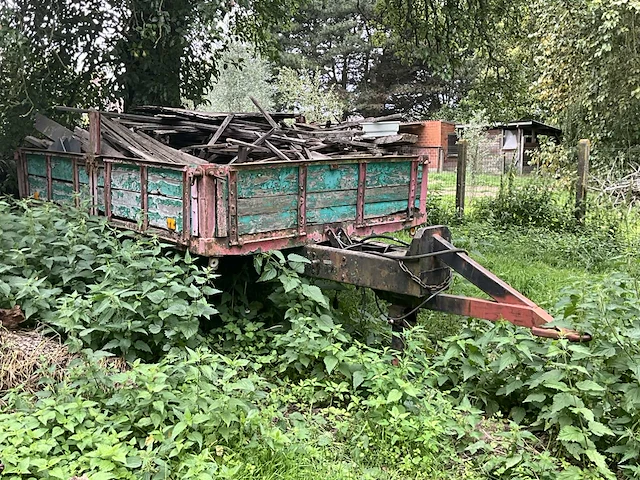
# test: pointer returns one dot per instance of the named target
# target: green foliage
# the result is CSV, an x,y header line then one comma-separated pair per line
x,y
531,204
586,395
186,416
349,43
103,289
244,73
598,37
304,93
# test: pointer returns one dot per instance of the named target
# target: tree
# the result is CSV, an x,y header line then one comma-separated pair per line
x,y
91,53
348,43
588,57
244,73
305,94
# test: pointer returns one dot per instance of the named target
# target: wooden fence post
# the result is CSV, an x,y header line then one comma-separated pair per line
x,y
461,174
584,148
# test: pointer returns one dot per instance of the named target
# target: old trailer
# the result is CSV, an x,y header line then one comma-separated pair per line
x,y
332,210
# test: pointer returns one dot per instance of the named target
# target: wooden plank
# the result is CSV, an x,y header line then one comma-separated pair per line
x,y
260,206
50,129
225,123
319,200
125,177
164,181
36,165
277,152
126,204
62,168
388,173
322,178
380,209
163,208
62,192
267,182
37,187
271,121
267,222
331,214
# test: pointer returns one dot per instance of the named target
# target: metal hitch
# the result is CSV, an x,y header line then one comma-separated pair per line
x,y
415,275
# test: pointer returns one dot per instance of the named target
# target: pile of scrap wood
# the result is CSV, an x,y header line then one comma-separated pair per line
x,y
621,190
173,135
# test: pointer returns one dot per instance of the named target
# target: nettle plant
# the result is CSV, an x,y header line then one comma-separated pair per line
x,y
104,289
585,396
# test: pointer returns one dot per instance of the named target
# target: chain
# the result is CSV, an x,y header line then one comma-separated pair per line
x,y
419,281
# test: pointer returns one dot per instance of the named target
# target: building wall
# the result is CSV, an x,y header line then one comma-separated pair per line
x,y
432,140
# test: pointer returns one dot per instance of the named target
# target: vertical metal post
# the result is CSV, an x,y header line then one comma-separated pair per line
x,y
362,186
584,150
302,200
461,176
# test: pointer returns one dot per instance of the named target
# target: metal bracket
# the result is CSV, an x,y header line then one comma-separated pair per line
x,y
416,277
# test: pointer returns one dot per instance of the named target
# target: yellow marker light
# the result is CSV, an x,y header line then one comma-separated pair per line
x,y
171,223
36,195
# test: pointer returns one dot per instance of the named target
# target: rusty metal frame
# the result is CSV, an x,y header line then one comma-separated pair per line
x,y
362,186
413,181
417,276
302,200
49,177
233,207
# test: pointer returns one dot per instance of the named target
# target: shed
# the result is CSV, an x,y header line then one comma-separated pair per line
x,y
514,141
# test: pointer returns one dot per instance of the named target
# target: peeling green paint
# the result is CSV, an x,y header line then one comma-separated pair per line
x,y
36,165
165,182
331,214
62,168
38,184
267,222
322,178
267,182
388,173
125,177
62,192
161,208
384,208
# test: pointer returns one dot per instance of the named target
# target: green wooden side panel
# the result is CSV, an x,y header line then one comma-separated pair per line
x,y
100,199
125,177
323,178
380,209
268,182
260,206
331,214
38,184
388,173
83,176
62,192
161,208
62,169
267,222
317,200
36,165
126,204
163,181
101,176
386,194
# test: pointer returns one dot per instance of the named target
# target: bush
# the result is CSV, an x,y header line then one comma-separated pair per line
x,y
587,396
104,289
534,204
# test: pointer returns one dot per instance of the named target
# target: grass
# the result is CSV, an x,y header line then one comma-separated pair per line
x,y
537,262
